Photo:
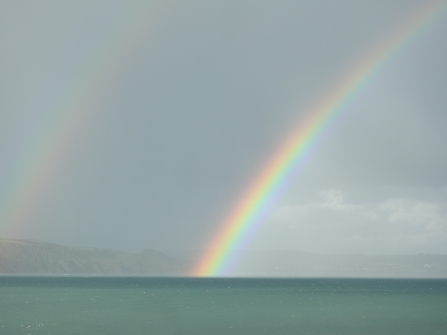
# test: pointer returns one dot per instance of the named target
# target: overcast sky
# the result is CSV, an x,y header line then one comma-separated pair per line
x,y
182,102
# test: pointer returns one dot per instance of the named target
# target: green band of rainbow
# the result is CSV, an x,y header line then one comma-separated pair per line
x,y
285,160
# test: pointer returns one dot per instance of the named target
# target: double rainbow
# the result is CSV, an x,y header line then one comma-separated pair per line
x,y
272,179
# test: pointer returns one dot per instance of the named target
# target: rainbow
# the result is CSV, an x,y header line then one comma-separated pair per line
x,y
282,166
39,166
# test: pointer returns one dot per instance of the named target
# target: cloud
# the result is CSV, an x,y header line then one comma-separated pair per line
x,y
334,224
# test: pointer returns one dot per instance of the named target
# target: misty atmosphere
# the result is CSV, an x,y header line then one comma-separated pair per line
x,y
223,167
138,125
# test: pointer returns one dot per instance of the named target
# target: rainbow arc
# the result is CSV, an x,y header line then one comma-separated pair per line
x,y
280,168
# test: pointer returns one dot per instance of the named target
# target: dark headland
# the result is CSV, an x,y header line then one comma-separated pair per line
x,y
36,257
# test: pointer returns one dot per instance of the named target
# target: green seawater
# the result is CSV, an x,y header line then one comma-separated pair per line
x,y
138,305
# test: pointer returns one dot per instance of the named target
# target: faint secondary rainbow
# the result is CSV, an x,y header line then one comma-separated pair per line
x,y
50,146
274,176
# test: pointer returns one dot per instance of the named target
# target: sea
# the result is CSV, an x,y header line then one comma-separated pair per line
x,y
156,305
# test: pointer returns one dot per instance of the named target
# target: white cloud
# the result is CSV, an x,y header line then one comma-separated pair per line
x,y
334,224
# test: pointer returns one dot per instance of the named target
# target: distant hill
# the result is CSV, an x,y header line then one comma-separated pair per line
x,y
294,263
302,264
35,257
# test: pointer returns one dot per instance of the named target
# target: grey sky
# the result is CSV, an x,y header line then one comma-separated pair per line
x,y
201,98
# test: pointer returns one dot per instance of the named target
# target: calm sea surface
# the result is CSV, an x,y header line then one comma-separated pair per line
x,y
124,305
